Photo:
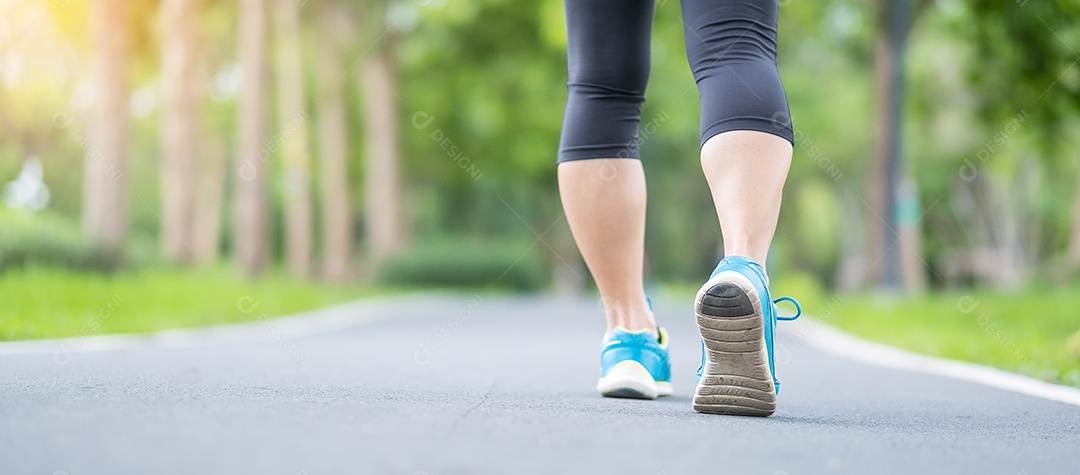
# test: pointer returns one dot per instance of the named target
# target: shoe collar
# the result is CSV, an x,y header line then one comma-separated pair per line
x,y
661,334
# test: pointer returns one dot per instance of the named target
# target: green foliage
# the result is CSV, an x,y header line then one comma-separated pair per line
x,y
993,94
461,263
1026,53
490,76
46,302
47,239
504,113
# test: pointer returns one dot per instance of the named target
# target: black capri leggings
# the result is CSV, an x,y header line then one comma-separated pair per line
x,y
731,45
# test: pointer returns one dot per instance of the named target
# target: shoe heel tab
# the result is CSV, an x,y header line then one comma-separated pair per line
x,y
734,262
662,337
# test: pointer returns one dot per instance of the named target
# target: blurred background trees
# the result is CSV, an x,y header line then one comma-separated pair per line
x,y
251,231
414,141
105,184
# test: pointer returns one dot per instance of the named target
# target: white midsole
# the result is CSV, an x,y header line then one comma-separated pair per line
x,y
632,375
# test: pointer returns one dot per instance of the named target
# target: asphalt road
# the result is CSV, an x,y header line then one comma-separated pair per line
x,y
461,384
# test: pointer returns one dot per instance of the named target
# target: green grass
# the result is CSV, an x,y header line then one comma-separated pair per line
x,y
1034,332
38,302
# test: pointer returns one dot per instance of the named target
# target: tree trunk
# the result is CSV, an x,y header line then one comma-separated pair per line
x,y
880,204
180,129
337,215
891,225
105,193
250,237
1073,252
385,225
294,151
209,201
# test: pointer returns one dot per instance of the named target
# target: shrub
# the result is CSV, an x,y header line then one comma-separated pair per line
x,y
461,263
42,238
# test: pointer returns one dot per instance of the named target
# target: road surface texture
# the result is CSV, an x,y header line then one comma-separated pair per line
x,y
462,384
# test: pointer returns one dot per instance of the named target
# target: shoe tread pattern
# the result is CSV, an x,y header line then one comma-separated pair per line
x,y
736,379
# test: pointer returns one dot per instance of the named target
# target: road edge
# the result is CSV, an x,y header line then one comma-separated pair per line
x,y
832,340
262,329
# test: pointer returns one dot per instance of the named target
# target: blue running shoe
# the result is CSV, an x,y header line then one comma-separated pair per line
x,y
737,320
635,364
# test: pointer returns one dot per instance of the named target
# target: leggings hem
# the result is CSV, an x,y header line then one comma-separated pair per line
x,y
593,153
748,123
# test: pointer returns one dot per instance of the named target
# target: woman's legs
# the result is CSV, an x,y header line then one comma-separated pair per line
x,y
600,178
604,201
746,171
745,152
746,139
746,130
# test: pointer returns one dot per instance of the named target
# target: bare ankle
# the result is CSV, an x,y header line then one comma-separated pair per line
x,y
631,315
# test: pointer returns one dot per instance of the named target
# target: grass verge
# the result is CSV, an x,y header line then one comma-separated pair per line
x,y
40,302
1035,333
